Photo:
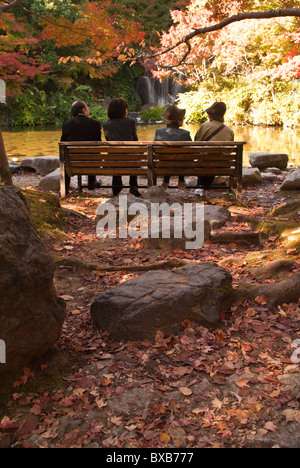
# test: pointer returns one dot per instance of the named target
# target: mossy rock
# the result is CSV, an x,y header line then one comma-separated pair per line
x,y
46,211
287,210
261,256
277,226
283,221
291,237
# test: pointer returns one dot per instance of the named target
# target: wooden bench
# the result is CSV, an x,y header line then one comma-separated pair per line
x,y
151,159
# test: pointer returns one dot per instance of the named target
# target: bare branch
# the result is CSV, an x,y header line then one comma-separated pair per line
x,y
9,6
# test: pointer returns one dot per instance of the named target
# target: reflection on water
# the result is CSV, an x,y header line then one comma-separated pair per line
x,y
44,142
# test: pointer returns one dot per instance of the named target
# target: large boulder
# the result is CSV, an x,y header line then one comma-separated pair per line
x,y
31,315
162,300
41,165
264,160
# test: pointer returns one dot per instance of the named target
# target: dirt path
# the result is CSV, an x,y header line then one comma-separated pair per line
x,y
235,386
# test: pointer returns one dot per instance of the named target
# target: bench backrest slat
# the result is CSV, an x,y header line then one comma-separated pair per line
x,y
106,157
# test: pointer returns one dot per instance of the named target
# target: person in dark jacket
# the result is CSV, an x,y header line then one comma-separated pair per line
x,y
119,127
81,128
173,132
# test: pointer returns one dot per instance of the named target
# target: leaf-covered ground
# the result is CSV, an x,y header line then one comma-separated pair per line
x,y
232,386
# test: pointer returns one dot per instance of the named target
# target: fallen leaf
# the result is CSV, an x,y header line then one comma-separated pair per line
x,y
67,298
131,427
270,426
117,420
75,312
242,383
185,391
7,424
164,437
101,403
291,251
292,415
255,407
27,425
181,370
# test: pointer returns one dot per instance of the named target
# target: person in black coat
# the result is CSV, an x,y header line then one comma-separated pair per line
x,y
119,127
173,132
81,128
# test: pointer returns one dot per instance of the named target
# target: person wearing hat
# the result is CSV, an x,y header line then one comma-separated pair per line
x,y
213,130
172,132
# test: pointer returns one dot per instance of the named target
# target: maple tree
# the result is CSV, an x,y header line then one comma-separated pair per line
x,y
103,34
5,174
249,39
17,49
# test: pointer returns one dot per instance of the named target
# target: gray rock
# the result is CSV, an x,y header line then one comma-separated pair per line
x,y
31,315
216,215
51,182
13,167
264,160
292,181
251,177
192,236
42,165
269,177
273,170
156,194
162,300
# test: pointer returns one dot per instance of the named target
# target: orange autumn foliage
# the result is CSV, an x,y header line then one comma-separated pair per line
x,y
104,35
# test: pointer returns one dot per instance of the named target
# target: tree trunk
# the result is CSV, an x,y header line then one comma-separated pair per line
x,y
5,174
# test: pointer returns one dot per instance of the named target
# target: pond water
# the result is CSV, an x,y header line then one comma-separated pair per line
x,y
44,142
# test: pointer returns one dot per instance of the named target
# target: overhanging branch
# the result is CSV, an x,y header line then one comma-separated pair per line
x,y
281,13
9,6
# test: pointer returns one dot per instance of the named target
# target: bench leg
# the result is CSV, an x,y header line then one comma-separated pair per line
x,y
63,187
79,178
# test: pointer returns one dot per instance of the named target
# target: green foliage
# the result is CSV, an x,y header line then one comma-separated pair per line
x,y
122,85
56,8
154,15
153,114
252,102
98,112
36,107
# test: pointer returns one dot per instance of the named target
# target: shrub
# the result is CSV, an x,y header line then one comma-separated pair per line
x,y
153,114
249,102
36,107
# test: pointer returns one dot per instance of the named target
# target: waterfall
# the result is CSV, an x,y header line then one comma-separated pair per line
x,y
152,91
